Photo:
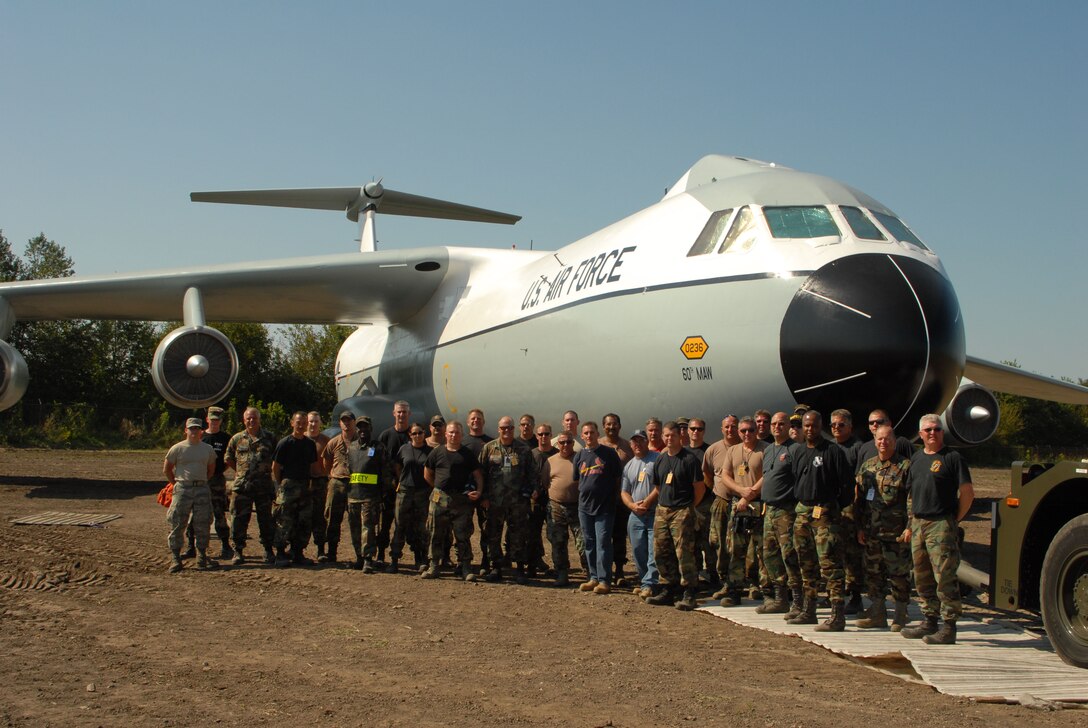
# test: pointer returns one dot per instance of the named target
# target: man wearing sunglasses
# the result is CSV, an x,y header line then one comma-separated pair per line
x,y
413,492
877,419
941,494
557,477
510,478
538,508
842,429
742,474
611,425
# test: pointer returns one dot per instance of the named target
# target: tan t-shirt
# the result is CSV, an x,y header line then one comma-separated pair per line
x,y
190,461
714,460
745,466
317,467
558,476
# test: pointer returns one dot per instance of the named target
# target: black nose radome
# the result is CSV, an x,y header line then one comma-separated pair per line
x,y
874,331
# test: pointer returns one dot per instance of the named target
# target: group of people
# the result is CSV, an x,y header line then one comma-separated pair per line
x,y
774,511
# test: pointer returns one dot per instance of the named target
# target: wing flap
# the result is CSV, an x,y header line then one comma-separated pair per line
x,y
352,288
1003,378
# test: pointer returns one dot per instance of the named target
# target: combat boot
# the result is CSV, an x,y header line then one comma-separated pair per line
x,y
664,598
298,558
269,557
722,593
430,572
175,562
946,635
561,578
732,598
203,562
876,616
358,565
368,566
282,559
189,552
807,615
520,577
466,572
836,622
900,619
239,557
780,604
854,605
495,575
796,604
755,593
394,566
329,557
927,626
687,602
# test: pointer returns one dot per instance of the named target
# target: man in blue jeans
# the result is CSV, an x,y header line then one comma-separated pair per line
x,y
638,495
597,472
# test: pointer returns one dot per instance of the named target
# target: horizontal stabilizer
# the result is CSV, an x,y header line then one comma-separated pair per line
x,y
352,200
1003,378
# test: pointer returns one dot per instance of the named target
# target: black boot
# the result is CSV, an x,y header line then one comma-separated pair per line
x,y
836,622
946,635
779,604
189,552
282,559
227,552
269,557
807,615
495,575
466,572
927,626
358,565
394,566
298,557
687,602
854,605
520,577
665,598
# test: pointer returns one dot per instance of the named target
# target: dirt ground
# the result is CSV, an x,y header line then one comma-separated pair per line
x,y
94,631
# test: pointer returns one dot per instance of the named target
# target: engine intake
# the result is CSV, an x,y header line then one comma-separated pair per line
x,y
14,376
194,366
972,416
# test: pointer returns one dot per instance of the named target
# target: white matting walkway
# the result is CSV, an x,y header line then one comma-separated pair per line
x,y
991,661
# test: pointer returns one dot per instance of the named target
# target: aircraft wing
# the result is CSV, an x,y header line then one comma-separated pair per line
x,y
351,288
1003,378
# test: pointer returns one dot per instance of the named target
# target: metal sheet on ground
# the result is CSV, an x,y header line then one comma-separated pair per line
x,y
991,660
59,518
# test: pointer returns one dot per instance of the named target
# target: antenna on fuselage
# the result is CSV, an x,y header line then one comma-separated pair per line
x,y
368,200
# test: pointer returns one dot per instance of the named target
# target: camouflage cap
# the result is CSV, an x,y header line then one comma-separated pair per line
x,y
215,413
362,419
682,421
345,415
194,422
438,418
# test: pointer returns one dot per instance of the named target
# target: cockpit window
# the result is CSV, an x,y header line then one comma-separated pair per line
x,y
712,233
742,234
862,226
800,222
898,230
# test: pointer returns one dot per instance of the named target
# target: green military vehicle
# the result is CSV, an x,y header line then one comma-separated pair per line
x,y
1039,552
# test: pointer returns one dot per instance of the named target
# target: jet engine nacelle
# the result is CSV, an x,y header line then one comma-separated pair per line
x,y
194,366
14,375
972,416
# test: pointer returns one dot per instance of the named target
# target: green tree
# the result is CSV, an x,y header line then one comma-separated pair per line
x,y
46,259
310,354
11,267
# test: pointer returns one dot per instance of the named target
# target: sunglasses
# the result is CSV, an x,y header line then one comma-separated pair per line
x,y
873,423
507,427
746,430
696,429
561,443
835,425
931,430
543,434
417,432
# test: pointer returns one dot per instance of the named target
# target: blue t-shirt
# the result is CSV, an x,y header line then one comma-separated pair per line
x,y
597,473
638,477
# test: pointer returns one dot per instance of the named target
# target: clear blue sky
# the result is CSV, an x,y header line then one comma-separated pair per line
x,y
967,119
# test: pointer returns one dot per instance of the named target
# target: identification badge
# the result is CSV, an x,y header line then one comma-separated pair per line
x,y
818,512
370,453
741,470
641,475
507,461
871,495
514,460
364,478
668,479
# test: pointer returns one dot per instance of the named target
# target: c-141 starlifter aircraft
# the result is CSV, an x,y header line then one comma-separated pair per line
x,y
747,285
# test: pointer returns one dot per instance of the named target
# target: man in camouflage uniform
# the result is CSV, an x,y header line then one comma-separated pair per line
x,y
882,485
678,488
821,474
453,470
335,458
319,482
510,478
371,475
941,494
842,429
779,555
249,455
188,466
295,455
742,474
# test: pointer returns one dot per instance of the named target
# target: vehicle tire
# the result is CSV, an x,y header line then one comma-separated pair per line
x,y
1063,592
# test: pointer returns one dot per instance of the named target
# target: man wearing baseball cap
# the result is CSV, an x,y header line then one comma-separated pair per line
x,y
188,466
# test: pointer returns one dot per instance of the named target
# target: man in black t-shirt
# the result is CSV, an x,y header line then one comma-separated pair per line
x,y
939,497
678,489
454,473
392,439
291,475
413,493
218,439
